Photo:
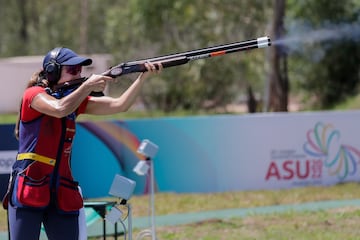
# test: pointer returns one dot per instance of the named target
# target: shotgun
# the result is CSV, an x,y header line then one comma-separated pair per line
x,y
177,59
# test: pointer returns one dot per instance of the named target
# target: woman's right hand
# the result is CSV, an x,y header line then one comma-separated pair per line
x,y
97,83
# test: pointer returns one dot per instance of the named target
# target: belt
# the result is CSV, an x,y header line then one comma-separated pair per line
x,y
36,157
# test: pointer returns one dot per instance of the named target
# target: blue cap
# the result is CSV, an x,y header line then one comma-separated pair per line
x,y
65,56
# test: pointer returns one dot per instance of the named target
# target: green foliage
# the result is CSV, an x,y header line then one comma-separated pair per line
x,y
186,25
335,81
328,69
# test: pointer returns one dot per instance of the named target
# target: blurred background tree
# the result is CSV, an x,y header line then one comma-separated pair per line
x,y
278,74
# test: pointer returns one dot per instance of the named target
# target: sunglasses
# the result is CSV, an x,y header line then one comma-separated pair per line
x,y
73,69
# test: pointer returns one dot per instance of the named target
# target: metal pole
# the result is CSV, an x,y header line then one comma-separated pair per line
x,y
8,224
130,222
152,201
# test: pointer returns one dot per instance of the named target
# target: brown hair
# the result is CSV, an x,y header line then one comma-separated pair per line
x,y
37,79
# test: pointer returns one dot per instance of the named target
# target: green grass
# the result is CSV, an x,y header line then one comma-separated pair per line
x,y
291,225
170,203
350,103
7,118
330,225
341,223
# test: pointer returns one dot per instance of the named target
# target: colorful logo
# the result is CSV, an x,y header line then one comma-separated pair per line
x,y
324,142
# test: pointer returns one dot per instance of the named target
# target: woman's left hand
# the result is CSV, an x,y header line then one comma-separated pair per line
x,y
152,68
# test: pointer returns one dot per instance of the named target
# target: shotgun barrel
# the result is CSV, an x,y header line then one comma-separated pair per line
x,y
185,57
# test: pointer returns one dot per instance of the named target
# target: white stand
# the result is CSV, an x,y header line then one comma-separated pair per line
x,y
148,149
130,223
122,188
115,213
150,232
152,201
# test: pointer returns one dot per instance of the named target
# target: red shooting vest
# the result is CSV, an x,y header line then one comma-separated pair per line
x,y
42,173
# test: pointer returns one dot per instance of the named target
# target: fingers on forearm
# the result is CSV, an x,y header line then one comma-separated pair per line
x,y
153,67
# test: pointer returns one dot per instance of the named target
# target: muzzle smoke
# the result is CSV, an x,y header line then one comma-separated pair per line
x,y
303,39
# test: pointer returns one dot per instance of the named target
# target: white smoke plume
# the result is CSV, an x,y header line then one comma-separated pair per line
x,y
303,39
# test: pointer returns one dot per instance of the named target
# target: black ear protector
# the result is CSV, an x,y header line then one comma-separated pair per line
x,y
53,68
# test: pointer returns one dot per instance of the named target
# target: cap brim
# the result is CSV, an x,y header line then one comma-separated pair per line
x,y
77,61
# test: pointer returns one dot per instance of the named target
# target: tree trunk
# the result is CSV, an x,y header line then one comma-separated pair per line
x,y
279,83
24,20
83,26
